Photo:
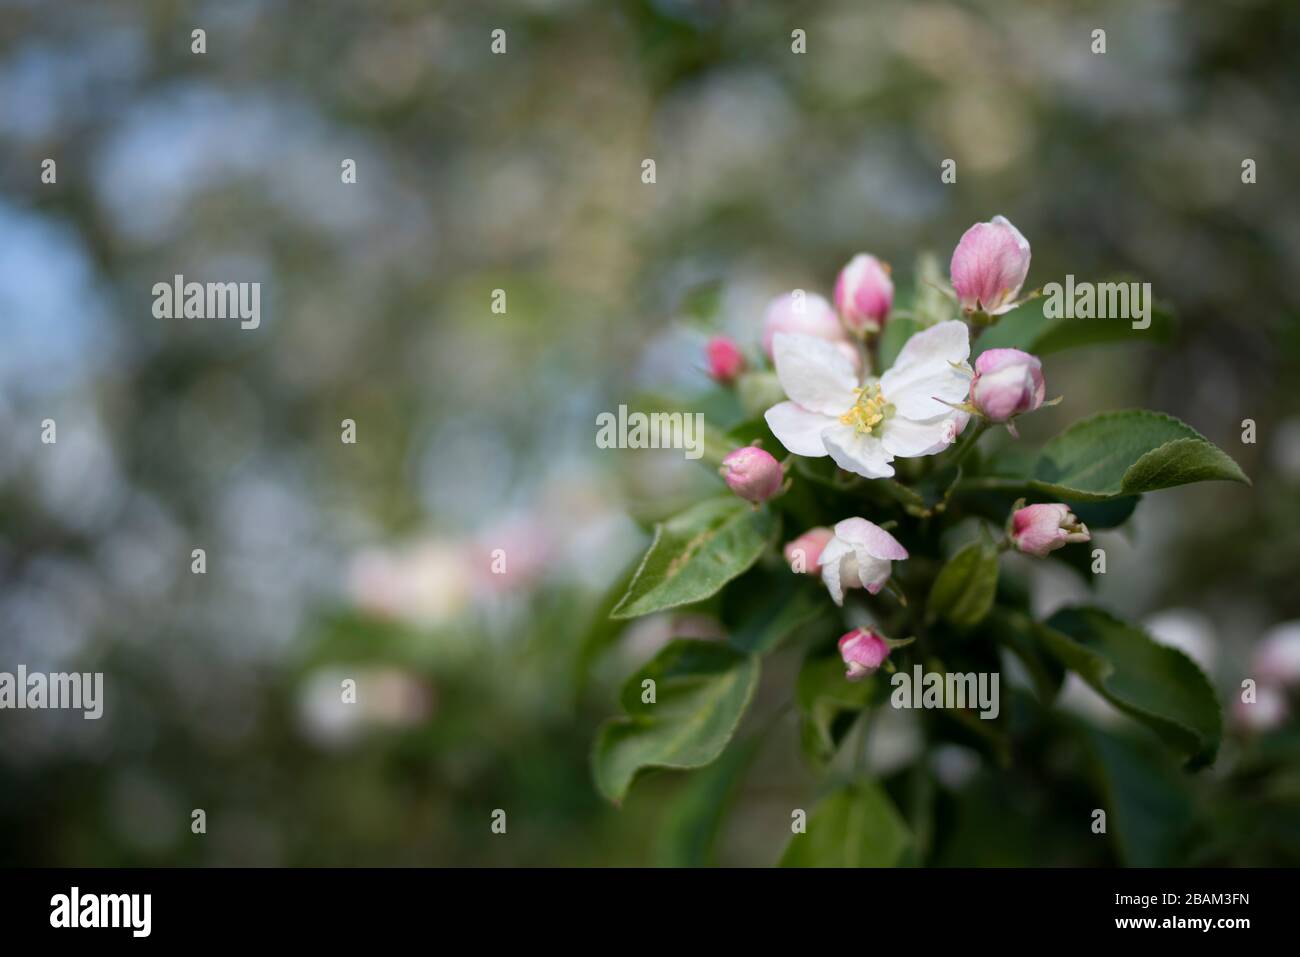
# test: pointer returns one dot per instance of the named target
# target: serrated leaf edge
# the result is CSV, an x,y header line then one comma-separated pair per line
x,y
1193,759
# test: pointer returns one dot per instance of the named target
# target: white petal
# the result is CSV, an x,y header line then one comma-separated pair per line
x,y
948,341
835,549
861,534
958,422
872,572
861,454
831,578
924,373
908,438
814,373
799,430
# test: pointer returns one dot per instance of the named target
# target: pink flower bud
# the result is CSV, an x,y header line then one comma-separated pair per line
x,y
801,314
864,294
1007,382
1039,529
804,552
989,266
752,474
863,650
1277,656
725,359
1267,712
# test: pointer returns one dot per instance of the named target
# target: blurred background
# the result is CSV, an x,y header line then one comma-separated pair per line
x,y
475,429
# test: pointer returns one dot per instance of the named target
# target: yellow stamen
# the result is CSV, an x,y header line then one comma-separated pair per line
x,y
868,411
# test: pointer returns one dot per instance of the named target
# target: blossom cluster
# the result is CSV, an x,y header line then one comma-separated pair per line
x,y
836,405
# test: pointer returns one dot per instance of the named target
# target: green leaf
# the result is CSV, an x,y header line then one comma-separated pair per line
x,y
1157,685
855,826
688,830
995,733
828,704
1108,513
963,593
755,429
696,552
1124,453
766,618
1149,807
701,690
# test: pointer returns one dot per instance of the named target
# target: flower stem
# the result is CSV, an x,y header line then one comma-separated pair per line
x,y
993,483
967,442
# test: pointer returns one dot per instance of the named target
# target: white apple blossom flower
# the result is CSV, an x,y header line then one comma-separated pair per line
x,y
860,555
905,413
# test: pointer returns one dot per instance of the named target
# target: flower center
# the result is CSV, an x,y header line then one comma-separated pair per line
x,y
868,411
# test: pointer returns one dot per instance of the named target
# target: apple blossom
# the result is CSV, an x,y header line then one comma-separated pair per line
x,y
989,266
1007,382
803,314
752,474
725,359
860,555
907,412
864,294
804,552
1039,529
863,650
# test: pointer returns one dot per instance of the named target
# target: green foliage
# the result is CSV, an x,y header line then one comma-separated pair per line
x,y
857,825
1123,453
1150,807
690,825
701,690
963,593
777,606
966,613
696,552
828,705
1157,685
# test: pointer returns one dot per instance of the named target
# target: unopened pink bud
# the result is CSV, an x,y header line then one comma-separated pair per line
x,y
803,553
1039,529
801,314
1007,382
864,294
863,650
989,266
1277,657
1267,712
752,474
725,359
